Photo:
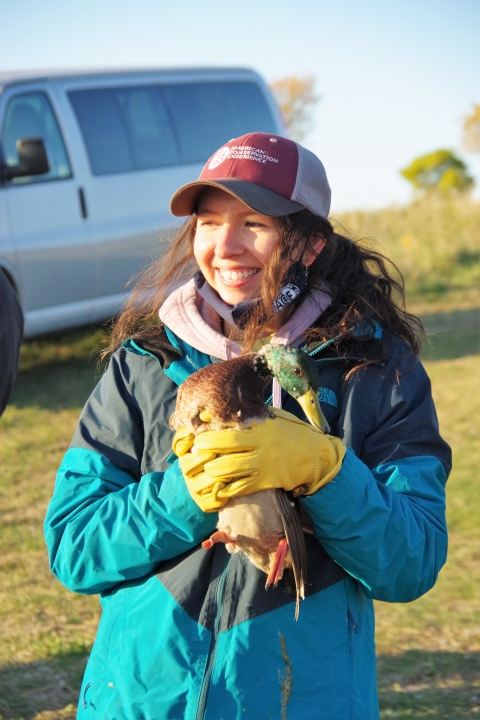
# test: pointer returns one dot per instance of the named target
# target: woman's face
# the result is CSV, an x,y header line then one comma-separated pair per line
x,y
232,245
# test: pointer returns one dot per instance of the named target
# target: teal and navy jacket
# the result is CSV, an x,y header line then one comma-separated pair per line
x,y
192,634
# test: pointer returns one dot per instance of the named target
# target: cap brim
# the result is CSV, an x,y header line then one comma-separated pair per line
x,y
260,199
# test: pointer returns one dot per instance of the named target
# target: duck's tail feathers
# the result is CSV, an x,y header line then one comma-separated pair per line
x,y
296,542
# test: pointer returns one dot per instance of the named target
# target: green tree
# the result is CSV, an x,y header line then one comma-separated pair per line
x,y
471,130
440,171
296,98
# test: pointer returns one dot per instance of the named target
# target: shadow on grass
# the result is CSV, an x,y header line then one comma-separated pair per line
x,y
415,684
56,386
46,688
451,334
420,684
58,372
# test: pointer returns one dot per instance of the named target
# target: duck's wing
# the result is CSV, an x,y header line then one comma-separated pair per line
x,y
296,542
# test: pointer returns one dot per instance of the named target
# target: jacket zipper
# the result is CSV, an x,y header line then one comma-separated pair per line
x,y
212,651
194,364
352,621
324,345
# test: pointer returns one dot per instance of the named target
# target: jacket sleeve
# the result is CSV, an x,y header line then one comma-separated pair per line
x,y
383,517
107,523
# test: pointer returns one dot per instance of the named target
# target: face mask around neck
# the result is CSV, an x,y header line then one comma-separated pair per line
x,y
294,283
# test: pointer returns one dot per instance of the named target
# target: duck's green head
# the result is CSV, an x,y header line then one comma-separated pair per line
x,y
297,374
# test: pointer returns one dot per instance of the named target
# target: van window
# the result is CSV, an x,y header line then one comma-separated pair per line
x,y
211,113
152,126
151,134
31,116
125,129
103,130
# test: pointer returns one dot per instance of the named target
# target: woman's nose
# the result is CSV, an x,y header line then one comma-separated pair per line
x,y
227,242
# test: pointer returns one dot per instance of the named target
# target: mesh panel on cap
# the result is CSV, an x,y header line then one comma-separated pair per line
x,y
311,189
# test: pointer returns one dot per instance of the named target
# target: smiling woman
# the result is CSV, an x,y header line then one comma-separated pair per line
x,y
233,245
257,262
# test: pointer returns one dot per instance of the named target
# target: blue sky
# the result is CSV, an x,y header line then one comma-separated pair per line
x,y
395,77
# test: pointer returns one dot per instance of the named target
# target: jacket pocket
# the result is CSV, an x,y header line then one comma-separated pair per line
x,y
352,624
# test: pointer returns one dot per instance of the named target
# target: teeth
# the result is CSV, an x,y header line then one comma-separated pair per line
x,y
237,275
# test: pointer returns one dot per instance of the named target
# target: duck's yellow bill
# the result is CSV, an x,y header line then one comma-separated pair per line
x,y
311,407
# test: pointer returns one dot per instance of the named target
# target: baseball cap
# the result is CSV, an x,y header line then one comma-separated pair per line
x,y
271,174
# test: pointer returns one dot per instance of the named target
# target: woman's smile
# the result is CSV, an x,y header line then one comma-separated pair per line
x,y
237,276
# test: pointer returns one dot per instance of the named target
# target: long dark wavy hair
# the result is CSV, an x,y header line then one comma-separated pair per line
x,y
366,289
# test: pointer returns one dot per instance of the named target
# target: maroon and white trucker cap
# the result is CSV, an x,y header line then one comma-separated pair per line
x,y
271,174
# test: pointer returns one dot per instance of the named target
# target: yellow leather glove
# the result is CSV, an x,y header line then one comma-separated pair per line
x,y
282,452
203,489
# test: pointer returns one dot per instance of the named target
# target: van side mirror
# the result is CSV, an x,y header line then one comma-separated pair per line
x,y
32,159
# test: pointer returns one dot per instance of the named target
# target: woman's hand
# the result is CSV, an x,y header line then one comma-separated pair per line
x,y
282,452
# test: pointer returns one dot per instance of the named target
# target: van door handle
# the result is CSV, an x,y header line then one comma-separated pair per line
x,y
83,204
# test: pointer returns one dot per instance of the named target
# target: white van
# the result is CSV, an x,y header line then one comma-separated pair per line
x,y
89,162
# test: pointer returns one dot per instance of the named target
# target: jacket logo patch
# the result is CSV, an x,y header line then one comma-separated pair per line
x,y
326,395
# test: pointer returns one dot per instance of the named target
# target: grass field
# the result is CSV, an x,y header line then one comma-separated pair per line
x,y
428,651
435,242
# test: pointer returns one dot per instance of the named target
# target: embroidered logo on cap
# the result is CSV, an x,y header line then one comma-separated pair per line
x,y
240,152
219,157
248,152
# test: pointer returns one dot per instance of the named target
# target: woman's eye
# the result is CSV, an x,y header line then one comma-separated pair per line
x,y
251,223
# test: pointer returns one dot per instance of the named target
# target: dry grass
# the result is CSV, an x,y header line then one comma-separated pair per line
x,y
429,650
46,631
435,241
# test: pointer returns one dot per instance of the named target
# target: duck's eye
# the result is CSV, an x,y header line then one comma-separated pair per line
x,y
297,371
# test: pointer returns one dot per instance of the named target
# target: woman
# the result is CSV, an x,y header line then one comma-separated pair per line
x,y
189,633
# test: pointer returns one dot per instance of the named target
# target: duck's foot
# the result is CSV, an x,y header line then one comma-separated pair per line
x,y
218,537
278,564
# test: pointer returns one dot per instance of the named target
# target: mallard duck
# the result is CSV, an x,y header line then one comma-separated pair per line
x,y
264,525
